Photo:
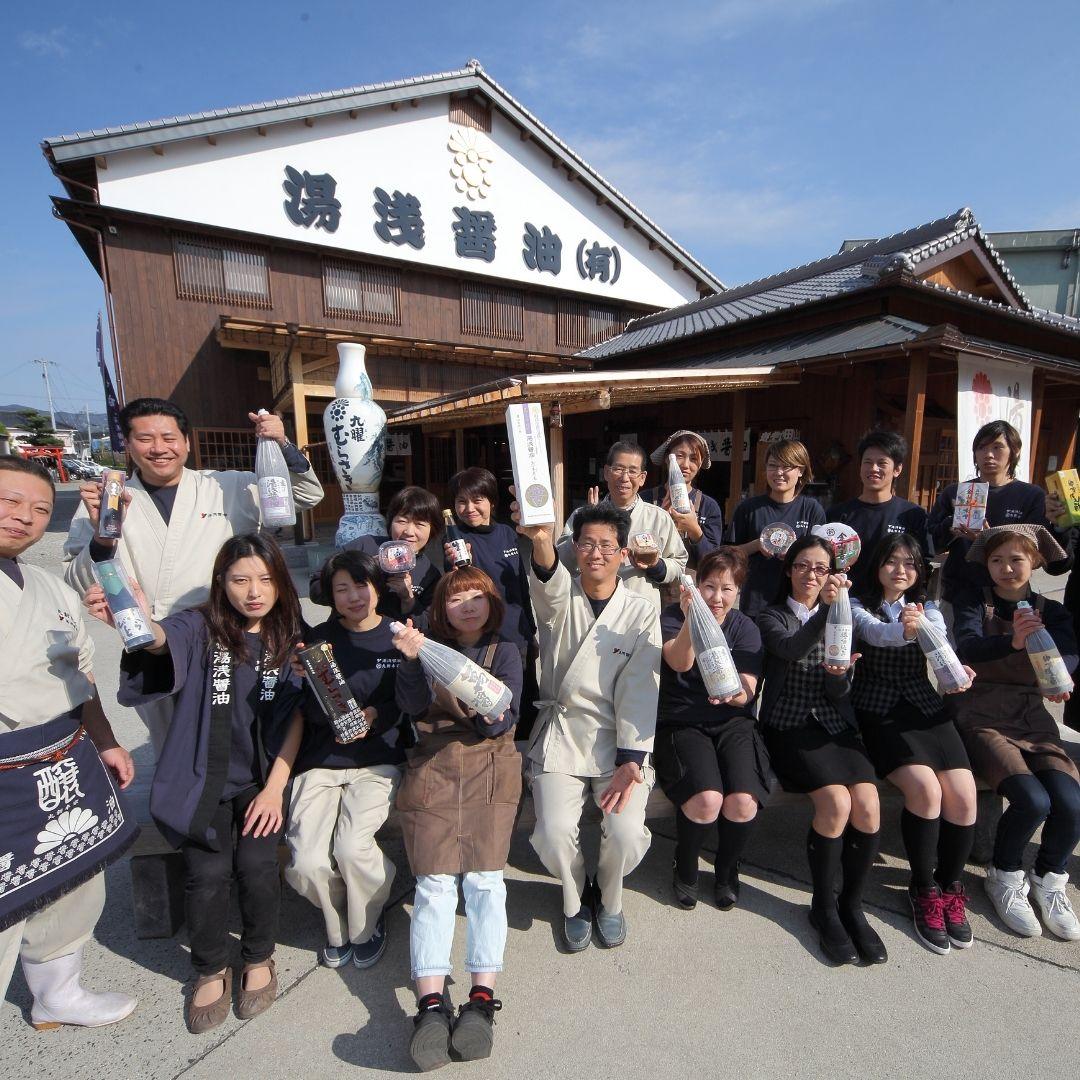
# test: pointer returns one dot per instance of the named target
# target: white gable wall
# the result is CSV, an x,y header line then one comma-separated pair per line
x,y
237,184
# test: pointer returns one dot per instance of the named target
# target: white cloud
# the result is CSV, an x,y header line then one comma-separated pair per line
x,y
45,42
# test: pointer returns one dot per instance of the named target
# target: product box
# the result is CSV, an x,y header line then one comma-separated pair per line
x,y
969,508
528,456
1066,486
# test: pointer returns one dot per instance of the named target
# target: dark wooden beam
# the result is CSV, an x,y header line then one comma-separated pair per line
x,y
1038,395
913,422
738,434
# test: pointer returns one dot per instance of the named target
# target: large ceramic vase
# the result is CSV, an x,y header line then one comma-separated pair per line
x,y
356,438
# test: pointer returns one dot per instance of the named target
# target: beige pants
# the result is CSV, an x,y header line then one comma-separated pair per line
x,y
336,864
54,931
559,800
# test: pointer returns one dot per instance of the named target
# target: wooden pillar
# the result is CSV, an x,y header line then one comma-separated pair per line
x,y
1038,395
459,448
558,475
305,524
738,434
913,422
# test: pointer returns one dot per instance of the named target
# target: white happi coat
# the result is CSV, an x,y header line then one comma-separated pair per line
x,y
644,517
173,563
600,677
47,653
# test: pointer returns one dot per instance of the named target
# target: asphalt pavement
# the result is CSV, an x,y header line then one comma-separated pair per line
x,y
739,994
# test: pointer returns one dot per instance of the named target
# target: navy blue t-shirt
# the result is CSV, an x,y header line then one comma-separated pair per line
x,y
684,701
495,551
750,518
873,522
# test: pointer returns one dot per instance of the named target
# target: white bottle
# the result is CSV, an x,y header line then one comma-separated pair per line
x,y
275,486
475,688
714,661
838,631
1049,668
678,492
943,661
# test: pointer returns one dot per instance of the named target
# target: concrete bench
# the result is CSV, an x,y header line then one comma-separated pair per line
x,y
157,870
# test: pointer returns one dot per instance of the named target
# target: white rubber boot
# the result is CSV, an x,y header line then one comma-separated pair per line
x,y
60,999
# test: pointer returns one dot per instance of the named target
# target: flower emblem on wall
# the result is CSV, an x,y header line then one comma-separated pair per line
x,y
64,827
471,169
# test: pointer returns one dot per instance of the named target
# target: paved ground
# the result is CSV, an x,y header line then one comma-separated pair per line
x,y
742,994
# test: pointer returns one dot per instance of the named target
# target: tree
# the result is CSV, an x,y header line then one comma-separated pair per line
x,y
41,430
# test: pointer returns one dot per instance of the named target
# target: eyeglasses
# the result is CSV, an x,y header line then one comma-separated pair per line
x,y
811,568
587,547
783,470
904,564
625,470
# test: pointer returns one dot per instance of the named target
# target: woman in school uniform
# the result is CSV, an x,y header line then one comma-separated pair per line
x,y
219,790
1011,737
710,759
457,804
912,740
814,746
342,793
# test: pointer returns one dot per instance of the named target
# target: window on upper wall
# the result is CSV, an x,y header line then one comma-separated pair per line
x,y
362,291
490,311
468,112
582,324
221,272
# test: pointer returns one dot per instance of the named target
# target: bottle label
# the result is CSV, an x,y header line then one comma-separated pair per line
x,y
837,644
1050,670
948,669
680,497
131,624
461,552
273,493
476,688
718,672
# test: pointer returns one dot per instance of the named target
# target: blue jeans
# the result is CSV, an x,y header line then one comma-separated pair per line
x,y
431,935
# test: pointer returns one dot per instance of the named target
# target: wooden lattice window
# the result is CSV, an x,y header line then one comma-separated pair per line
x,y
470,112
581,324
362,291
491,311
220,272
225,448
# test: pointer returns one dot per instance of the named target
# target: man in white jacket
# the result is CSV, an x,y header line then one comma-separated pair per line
x,y
596,717
175,518
643,572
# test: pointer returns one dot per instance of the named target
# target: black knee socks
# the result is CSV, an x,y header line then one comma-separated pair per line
x,y
689,836
859,851
731,841
954,847
824,854
920,836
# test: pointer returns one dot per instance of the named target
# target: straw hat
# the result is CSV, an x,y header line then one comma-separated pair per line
x,y
1049,548
659,455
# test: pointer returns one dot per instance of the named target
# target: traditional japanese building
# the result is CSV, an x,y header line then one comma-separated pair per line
x,y
434,219
925,332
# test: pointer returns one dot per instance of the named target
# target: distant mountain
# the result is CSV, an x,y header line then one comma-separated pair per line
x,y
9,417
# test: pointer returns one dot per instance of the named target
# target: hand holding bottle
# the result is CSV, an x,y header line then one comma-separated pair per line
x,y
1025,623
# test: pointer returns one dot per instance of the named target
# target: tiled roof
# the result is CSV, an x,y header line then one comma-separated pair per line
x,y
87,144
849,270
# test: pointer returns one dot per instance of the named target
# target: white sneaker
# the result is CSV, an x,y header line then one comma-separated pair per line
x,y
1048,892
1008,892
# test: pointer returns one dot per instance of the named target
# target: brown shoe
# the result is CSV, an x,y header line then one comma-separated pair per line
x,y
250,1003
202,1018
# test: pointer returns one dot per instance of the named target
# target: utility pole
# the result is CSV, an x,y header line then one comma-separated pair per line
x,y
48,389
89,435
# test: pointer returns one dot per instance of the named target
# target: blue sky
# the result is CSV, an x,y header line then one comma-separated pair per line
x,y
759,133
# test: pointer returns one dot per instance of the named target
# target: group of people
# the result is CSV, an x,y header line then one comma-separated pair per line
x,y
587,627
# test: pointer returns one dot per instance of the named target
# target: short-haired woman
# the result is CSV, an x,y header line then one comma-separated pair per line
x,y
709,757
787,473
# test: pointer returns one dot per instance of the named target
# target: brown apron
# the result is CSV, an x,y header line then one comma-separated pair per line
x,y
459,797
1003,719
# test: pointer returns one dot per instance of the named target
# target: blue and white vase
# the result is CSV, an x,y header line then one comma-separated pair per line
x,y
356,439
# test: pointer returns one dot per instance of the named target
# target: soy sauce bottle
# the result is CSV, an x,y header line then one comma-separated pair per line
x,y
460,550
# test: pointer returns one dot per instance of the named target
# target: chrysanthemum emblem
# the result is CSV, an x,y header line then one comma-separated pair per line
x,y
64,827
472,163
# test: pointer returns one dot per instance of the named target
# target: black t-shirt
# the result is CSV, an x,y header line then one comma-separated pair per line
x,y
750,518
684,701
495,551
874,521
243,749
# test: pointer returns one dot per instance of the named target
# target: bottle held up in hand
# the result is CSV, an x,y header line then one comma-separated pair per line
x,y
714,661
130,619
838,626
458,546
943,661
1050,670
678,492
475,688
275,486
111,511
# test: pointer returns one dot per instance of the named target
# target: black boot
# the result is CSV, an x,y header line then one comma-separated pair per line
x,y
860,850
824,854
